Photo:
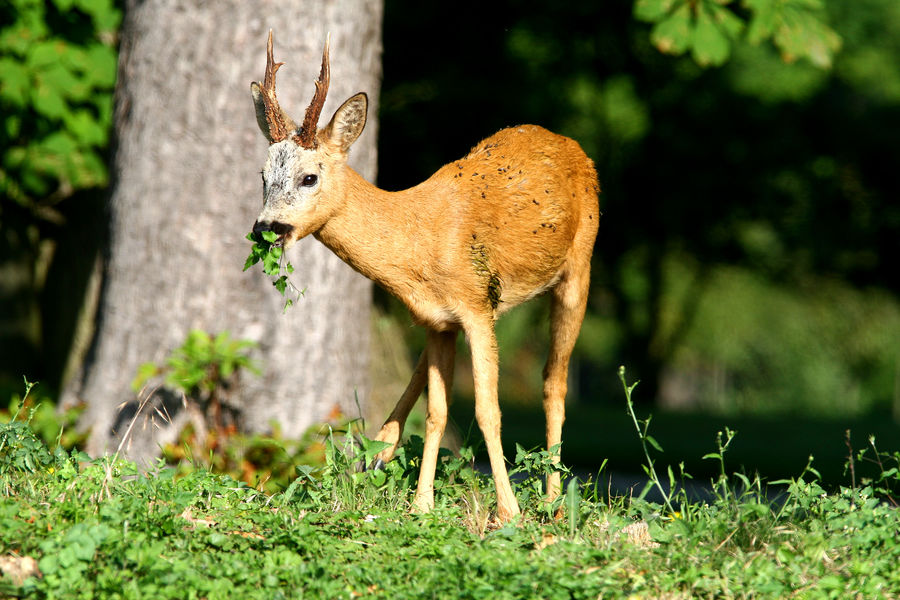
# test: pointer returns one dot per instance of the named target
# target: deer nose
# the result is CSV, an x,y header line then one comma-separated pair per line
x,y
259,227
276,226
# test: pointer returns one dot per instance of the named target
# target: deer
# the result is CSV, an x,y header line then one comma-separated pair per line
x,y
515,218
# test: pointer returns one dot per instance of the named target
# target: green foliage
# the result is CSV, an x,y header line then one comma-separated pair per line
x,y
886,482
201,365
643,427
709,28
823,346
206,371
59,67
868,60
53,427
23,450
103,529
267,250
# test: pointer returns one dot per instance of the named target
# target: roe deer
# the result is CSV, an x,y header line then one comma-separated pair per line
x,y
514,218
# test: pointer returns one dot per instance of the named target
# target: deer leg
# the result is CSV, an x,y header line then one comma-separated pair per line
x,y
487,413
568,303
441,352
393,426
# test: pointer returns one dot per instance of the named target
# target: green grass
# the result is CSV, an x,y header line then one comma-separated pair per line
x,y
103,529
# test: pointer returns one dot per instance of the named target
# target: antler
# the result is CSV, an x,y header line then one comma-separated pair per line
x,y
279,125
307,134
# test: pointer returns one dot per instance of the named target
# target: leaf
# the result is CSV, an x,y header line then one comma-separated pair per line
x,y
652,10
49,564
59,143
44,54
762,23
102,70
378,477
373,447
48,100
14,85
88,169
652,441
710,45
85,128
803,35
796,28
573,501
66,83
280,284
673,34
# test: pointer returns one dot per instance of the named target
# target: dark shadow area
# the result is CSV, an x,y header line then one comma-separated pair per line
x,y
776,448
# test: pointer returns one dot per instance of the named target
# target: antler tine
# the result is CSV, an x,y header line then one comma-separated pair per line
x,y
307,133
280,125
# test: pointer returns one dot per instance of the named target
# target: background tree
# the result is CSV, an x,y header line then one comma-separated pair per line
x,y
185,192
58,66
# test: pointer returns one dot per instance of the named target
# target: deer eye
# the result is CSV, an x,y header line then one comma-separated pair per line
x,y
309,180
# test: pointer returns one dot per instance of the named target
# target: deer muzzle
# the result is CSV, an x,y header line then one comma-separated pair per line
x,y
281,229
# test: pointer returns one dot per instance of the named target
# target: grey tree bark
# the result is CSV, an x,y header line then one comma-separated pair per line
x,y
187,190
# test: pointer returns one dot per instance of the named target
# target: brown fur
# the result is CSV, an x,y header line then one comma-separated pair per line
x,y
514,218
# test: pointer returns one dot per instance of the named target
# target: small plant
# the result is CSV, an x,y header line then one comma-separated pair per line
x,y
344,483
267,250
536,464
886,483
206,371
23,450
54,427
20,448
647,439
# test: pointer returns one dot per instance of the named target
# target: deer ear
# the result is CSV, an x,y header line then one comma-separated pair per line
x,y
260,110
348,122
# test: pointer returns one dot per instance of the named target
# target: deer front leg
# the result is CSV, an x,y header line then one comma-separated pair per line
x,y
487,413
393,426
441,350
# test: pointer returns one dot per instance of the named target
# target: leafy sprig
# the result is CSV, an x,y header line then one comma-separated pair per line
x,y
266,250
709,28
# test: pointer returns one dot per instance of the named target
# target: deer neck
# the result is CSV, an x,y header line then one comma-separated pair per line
x,y
374,231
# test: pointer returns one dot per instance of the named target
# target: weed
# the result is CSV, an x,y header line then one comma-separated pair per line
x,y
55,428
886,483
206,371
642,427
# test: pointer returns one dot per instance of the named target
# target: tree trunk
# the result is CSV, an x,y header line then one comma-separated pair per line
x,y
187,190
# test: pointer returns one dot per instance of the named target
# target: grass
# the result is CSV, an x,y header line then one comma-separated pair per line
x,y
75,528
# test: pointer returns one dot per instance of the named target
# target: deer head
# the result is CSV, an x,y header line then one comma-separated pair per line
x,y
303,174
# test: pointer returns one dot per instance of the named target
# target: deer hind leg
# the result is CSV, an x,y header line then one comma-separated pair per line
x,y
567,307
487,413
393,426
441,351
